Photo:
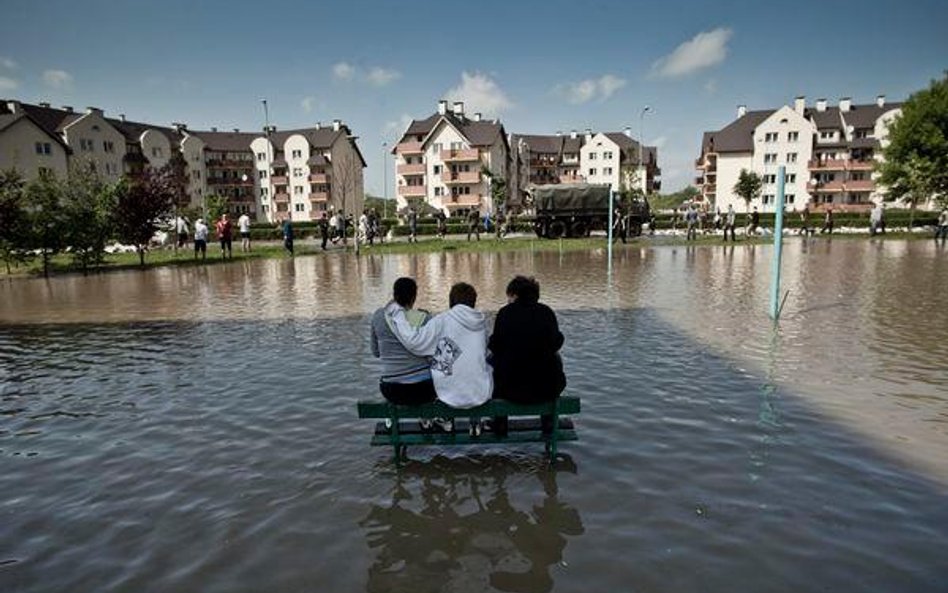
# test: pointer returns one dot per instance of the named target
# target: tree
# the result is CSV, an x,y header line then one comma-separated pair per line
x,y
748,186
88,205
47,220
217,205
346,177
498,189
141,205
916,159
14,221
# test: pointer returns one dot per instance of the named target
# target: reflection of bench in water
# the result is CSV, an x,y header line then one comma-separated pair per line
x,y
520,429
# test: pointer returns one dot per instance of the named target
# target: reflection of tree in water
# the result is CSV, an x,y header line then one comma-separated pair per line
x,y
451,526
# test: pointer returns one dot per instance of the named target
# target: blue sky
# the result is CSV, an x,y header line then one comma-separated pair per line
x,y
539,66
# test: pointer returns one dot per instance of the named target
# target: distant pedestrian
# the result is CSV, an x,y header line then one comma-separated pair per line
x,y
442,222
334,227
942,230
619,227
288,234
827,222
375,227
875,220
805,221
225,232
729,221
754,222
181,229
200,239
347,223
500,227
243,224
412,225
691,218
474,224
717,219
324,229
675,219
364,226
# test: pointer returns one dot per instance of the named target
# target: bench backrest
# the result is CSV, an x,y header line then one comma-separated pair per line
x,y
494,407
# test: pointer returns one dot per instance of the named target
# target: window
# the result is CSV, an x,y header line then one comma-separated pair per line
x,y
437,147
592,156
770,178
108,146
437,169
607,171
827,134
297,172
86,145
298,190
297,154
592,171
299,207
264,192
790,198
770,157
791,178
862,133
793,136
770,137
44,148
607,156
768,199
456,146
264,208
439,191
262,174
791,157
261,156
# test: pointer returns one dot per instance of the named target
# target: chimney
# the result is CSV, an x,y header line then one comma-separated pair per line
x,y
799,104
821,104
573,134
845,103
628,132
213,129
98,111
178,126
67,108
122,116
477,116
14,107
589,135
459,108
319,125
880,100
236,130
558,133
44,104
741,111
336,125
442,107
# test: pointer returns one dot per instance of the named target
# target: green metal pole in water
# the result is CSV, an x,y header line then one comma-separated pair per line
x,y
609,233
778,246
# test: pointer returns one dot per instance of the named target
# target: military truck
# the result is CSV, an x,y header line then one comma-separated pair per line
x,y
575,209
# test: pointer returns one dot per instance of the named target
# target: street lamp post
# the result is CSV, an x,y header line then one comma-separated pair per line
x,y
641,140
384,180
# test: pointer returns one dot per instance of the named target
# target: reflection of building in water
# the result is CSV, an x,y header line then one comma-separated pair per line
x,y
452,525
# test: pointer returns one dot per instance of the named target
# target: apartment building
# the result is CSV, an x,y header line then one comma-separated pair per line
x,y
442,159
828,153
244,167
603,157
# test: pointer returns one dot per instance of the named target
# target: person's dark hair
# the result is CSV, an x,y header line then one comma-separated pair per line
x,y
404,292
525,290
462,293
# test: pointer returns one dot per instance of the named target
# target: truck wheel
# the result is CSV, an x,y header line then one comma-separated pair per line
x,y
539,230
556,229
579,229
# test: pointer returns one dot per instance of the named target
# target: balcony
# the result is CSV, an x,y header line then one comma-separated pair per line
x,y
860,185
413,191
460,155
279,180
571,178
460,177
828,187
409,148
413,169
319,197
281,198
322,178
468,201
827,165
317,214
861,165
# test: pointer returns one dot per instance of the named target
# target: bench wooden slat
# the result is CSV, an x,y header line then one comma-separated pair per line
x,y
494,407
463,438
462,425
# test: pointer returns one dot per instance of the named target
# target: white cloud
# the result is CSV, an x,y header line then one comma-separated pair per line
x,y
711,86
379,76
58,79
592,88
394,129
343,71
701,51
8,63
480,94
308,103
8,84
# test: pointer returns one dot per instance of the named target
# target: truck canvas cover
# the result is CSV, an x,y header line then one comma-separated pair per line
x,y
571,197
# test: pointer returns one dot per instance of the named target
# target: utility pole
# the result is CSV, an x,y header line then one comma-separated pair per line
x,y
266,131
384,180
641,141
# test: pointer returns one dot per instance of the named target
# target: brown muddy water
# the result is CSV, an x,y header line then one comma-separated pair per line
x,y
194,430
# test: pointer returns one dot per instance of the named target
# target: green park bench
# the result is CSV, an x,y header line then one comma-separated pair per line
x,y
405,429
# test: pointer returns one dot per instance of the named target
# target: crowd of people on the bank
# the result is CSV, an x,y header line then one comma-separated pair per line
x,y
695,219
452,356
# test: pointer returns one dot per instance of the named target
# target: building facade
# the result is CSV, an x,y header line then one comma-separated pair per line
x,y
828,154
272,175
447,161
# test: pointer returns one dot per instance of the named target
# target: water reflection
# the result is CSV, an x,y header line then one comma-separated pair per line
x,y
452,525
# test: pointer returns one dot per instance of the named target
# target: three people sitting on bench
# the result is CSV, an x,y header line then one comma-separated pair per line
x,y
526,367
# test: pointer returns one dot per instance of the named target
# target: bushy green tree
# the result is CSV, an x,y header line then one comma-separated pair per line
x,y
141,205
47,219
14,222
748,186
217,205
916,160
89,205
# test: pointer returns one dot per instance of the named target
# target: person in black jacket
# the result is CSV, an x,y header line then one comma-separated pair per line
x,y
525,350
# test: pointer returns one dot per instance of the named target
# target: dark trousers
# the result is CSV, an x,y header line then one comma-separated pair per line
x,y
408,394
325,237
729,227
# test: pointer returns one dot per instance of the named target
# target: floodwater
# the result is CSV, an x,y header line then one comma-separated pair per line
x,y
195,430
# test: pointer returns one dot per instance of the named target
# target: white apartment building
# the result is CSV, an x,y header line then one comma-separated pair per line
x,y
441,160
269,176
828,154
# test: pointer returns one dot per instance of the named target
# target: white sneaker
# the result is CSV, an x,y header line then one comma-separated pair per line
x,y
477,427
445,424
426,423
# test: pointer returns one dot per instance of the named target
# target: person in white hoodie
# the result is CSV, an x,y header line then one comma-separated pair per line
x,y
456,342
